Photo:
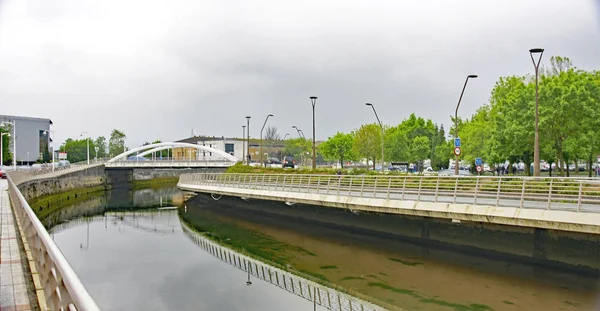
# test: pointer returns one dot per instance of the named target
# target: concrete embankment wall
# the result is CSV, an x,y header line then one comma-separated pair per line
x,y
561,249
119,176
87,178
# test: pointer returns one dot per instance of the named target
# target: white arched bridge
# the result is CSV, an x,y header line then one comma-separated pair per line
x,y
146,156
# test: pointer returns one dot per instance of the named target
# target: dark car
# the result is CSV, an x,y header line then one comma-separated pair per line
x,y
3,174
288,161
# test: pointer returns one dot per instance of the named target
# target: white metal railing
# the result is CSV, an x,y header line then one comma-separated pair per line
x,y
164,163
554,193
325,297
62,288
22,176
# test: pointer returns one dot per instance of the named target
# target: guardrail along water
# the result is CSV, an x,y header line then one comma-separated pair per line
x,y
62,288
555,193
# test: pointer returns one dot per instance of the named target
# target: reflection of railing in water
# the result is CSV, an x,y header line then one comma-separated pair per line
x,y
320,295
111,216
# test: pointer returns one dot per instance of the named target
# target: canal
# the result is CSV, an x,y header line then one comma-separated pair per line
x,y
133,252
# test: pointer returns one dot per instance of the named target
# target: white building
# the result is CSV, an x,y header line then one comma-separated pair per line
x,y
233,146
31,140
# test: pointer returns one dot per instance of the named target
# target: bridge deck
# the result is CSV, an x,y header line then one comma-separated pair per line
x,y
15,291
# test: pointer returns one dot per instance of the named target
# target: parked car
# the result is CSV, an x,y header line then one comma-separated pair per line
x,y
273,162
288,161
3,174
64,163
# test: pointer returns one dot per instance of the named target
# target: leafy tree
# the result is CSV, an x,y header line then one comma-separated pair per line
x,y
297,147
420,148
367,142
116,143
338,148
475,134
76,149
100,142
6,139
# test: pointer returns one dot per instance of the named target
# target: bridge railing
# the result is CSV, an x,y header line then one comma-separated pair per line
x,y
166,163
62,288
325,297
554,193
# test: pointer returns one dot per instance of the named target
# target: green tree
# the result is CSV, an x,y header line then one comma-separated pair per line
x,y
297,147
76,149
116,143
100,142
338,148
420,148
367,142
6,139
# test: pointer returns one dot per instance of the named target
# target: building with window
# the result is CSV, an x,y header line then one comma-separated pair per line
x,y
32,139
233,146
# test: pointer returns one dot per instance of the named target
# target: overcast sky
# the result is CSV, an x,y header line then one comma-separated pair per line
x,y
157,69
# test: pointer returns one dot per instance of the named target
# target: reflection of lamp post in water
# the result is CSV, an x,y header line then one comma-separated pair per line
x,y
87,243
248,283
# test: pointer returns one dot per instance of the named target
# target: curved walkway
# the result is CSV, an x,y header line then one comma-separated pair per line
x,y
14,278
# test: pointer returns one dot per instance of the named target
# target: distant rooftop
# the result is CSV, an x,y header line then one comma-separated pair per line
x,y
6,117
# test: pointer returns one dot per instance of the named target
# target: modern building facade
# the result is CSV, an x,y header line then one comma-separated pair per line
x,y
233,146
32,139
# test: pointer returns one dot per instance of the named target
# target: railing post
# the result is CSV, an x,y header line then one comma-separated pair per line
x,y
404,187
291,183
580,196
498,192
550,194
389,187
437,185
523,194
350,186
419,191
262,183
328,183
375,187
283,185
476,189
318,183
455,189
362,186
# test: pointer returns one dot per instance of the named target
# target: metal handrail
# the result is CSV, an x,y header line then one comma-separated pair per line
x,y
557,193
62,288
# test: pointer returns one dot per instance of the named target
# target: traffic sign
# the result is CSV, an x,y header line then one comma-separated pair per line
x,y
457,142
478,161
479,169
456,151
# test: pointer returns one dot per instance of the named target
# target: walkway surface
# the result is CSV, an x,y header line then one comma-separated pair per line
x,y
14,294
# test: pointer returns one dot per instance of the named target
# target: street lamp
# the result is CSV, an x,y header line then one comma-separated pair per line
x,y
1,146
88,145
286,135
47,132
313,101
248,141
300,133
261,131
243,143
381,125
536,144
456,118
14,136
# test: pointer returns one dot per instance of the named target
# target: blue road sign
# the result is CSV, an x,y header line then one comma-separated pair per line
x,y
457,142
478,161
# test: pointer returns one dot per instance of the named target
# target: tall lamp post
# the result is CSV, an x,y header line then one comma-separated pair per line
x,y
1,150
456,118
536,144
248,141
313,101
286,135
381,125
261,131
243,143
47,132
14,136
87,140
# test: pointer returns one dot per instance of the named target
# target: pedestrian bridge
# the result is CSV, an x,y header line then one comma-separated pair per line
x,y
144,157
551,203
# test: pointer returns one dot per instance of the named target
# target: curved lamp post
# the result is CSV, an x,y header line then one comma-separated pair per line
x,y
381,125
261,131
536,143
456,118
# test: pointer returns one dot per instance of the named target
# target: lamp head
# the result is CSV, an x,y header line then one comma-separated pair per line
x,y
369,104
270,115
536,50
313,97
248,117
472,76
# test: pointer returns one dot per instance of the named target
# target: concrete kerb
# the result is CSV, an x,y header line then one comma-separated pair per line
x,y
536,218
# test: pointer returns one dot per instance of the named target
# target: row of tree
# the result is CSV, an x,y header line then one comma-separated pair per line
x,y
76,149
501,130
569,119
